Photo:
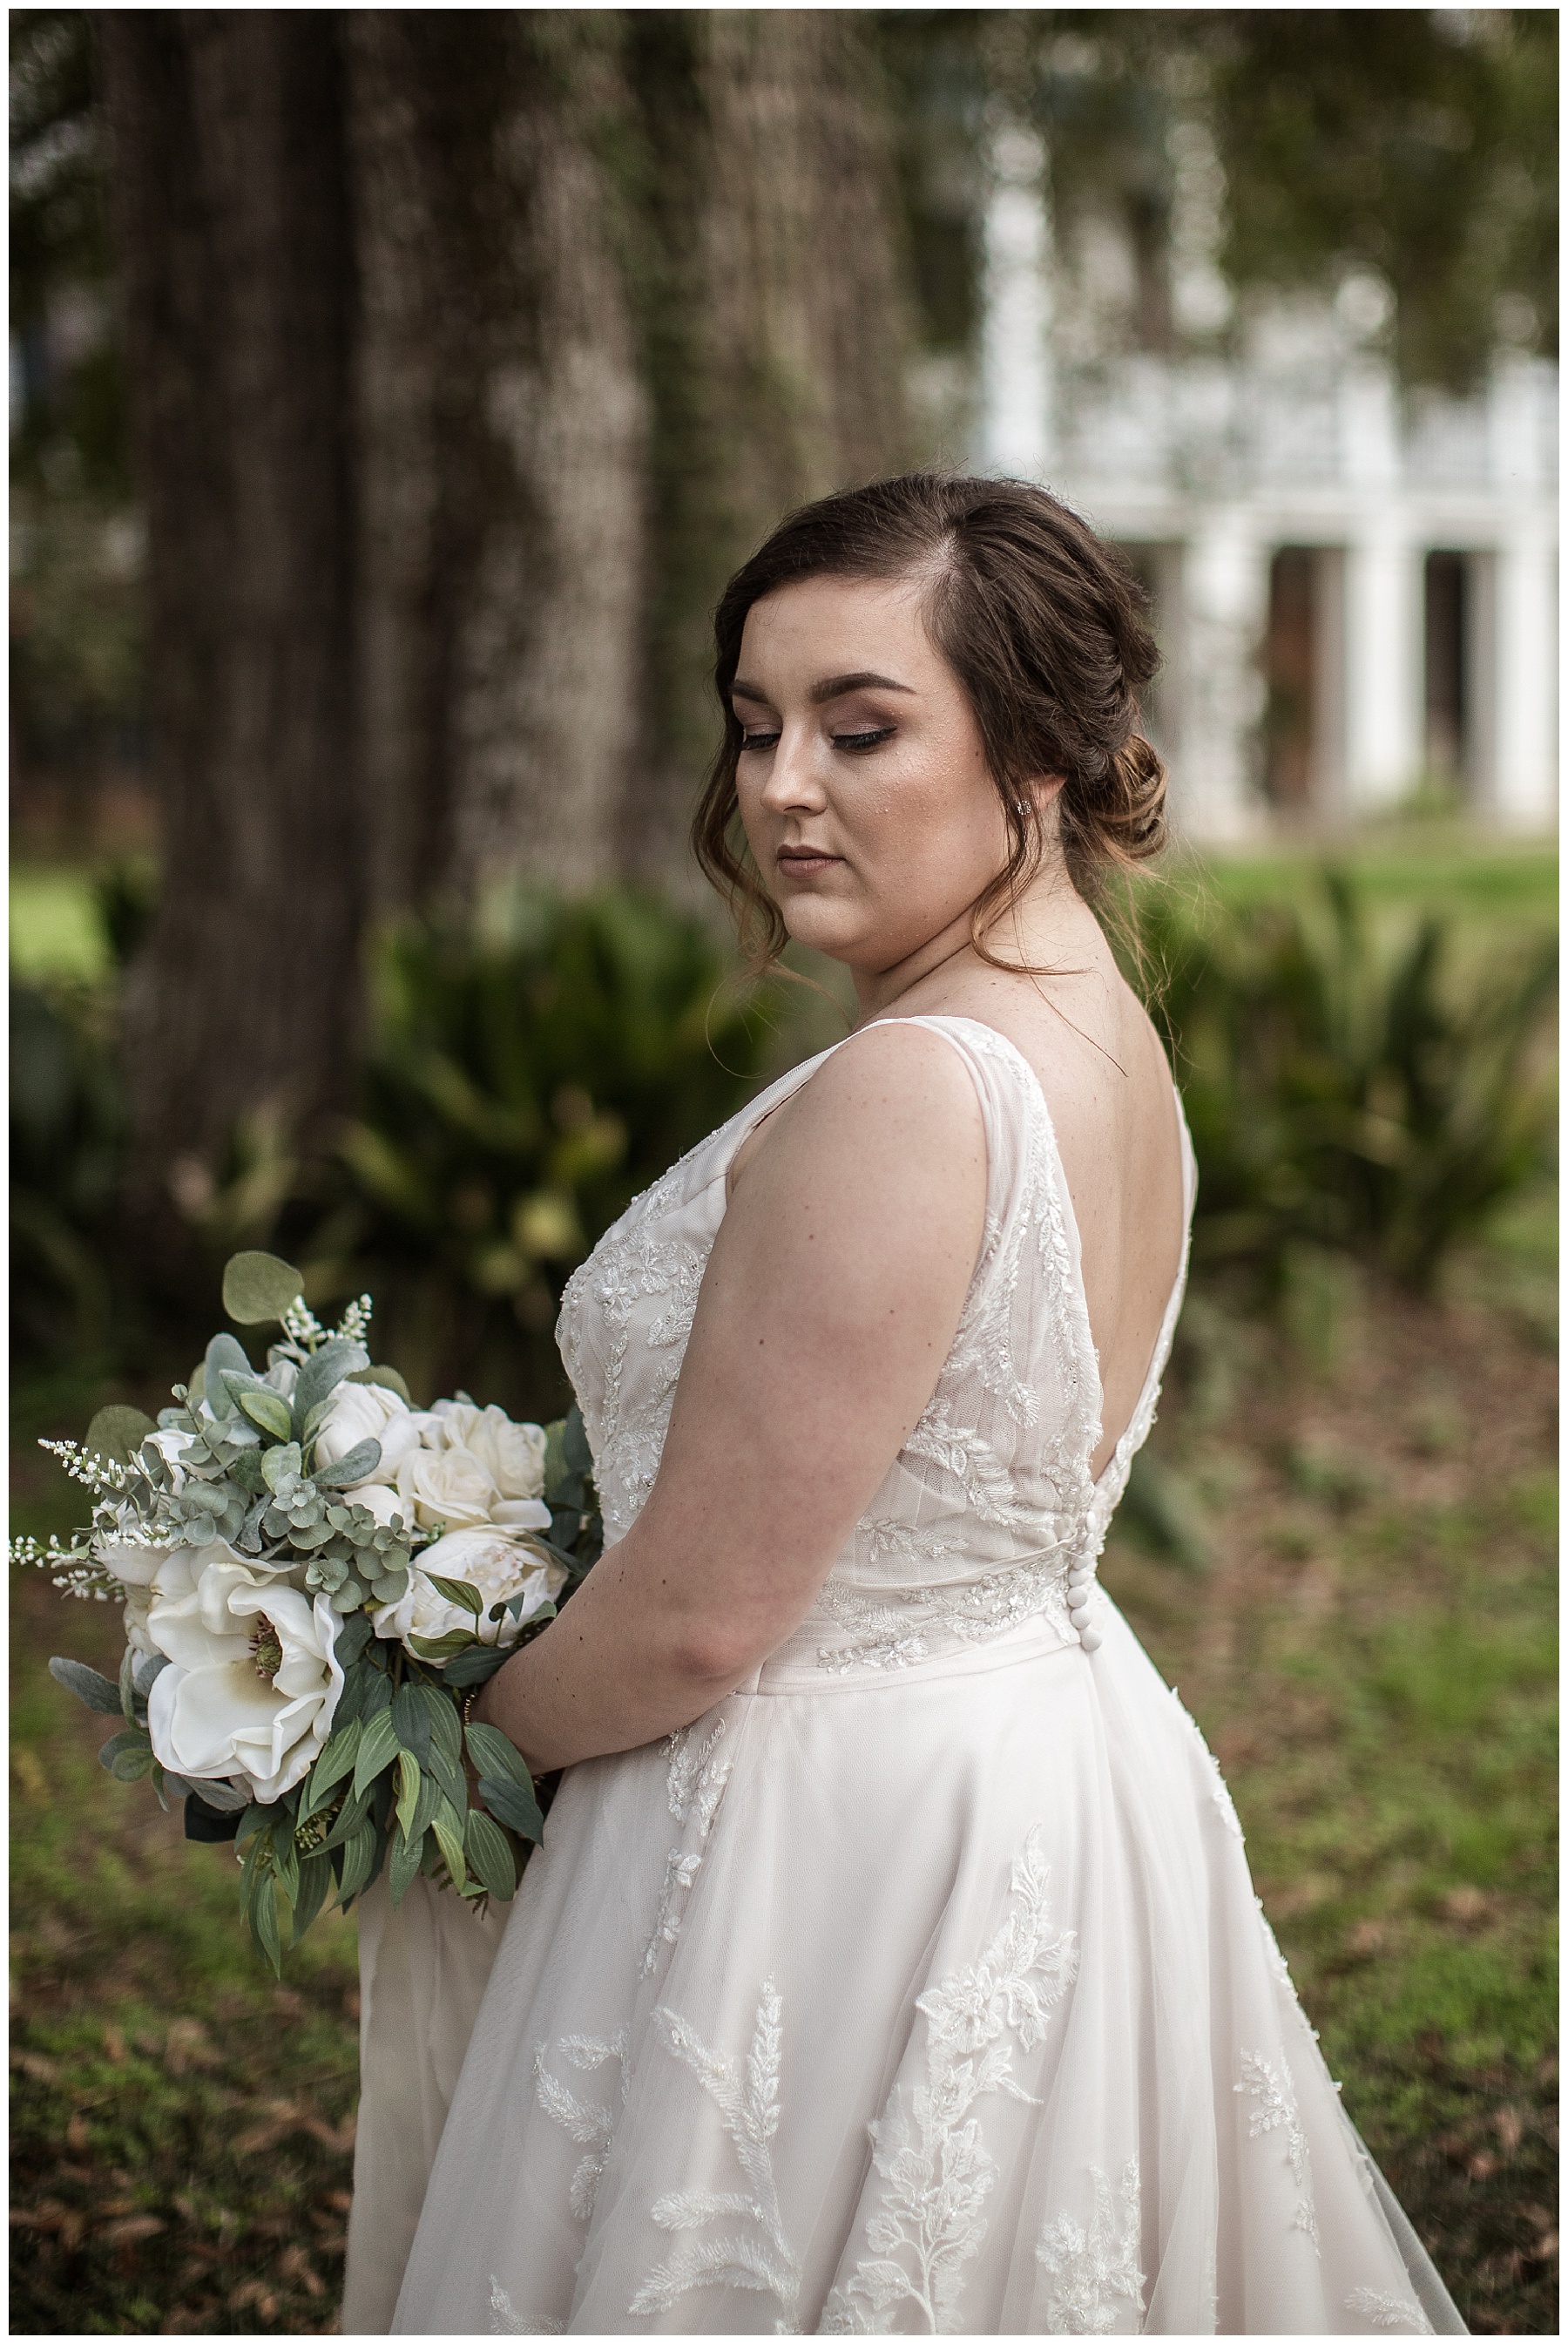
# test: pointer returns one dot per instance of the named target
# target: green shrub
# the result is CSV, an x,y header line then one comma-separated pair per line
x,y
67,1132
527,1075
1344,1093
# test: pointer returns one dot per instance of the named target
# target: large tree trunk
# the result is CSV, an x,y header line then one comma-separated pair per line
x,y
469,352
501,429
239,300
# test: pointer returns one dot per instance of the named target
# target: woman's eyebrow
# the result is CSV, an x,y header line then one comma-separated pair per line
x,y
833,686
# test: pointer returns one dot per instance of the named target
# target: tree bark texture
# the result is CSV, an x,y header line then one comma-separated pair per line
x,y
469,352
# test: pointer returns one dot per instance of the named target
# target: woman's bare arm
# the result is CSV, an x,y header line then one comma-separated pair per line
x,y
829,1306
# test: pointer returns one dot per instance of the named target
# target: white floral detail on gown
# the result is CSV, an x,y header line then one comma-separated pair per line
x,y
920,1987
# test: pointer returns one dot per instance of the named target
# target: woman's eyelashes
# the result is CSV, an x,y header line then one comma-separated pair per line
x,y
854,744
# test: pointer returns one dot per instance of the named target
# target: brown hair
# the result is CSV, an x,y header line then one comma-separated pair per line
x,y
1044,627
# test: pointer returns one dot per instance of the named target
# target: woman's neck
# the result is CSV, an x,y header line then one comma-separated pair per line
x,y
1051,927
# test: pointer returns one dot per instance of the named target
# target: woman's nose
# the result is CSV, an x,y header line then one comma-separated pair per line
x,y
793,780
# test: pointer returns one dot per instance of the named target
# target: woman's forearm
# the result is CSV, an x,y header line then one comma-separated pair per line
x,y
610,1673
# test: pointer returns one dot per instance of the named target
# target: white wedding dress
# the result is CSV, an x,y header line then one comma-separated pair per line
x,y
919,1987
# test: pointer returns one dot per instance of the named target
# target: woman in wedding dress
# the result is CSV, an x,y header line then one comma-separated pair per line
x,y
891,1963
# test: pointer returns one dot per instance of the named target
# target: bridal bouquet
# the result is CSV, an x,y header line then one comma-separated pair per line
x,y
315,1576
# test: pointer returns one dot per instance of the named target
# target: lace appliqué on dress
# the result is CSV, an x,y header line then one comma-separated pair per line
x,y
591,2124
505,2321
1096,2264
1388,2311
928,2148
746,2094
695,1784
1273,2090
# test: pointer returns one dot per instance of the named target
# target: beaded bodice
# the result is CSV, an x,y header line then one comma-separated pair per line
x,y
988,1517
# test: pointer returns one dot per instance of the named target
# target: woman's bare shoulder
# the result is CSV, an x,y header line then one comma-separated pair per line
x,y
892,1088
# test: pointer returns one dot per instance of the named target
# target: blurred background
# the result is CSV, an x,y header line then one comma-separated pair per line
x,y
391,393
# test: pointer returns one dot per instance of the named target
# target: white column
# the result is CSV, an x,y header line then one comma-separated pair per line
x,y
1523,763
1225,609
1016,387
1384,667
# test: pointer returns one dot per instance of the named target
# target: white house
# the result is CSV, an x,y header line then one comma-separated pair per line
x,y
1354,589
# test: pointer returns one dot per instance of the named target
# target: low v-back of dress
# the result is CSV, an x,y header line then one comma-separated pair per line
x,y
920,1986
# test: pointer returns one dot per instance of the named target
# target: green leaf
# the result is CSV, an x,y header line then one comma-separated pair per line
x,y
406,1859
445,1726
388,1377
358,1861
315,1880
492,1754
276,1462
378,1748
509,1803
351,1640
131,1757
128,1686
408,1781
323,1372
118,1433
336,1761
410,1721
489,1852
458,1591
445,1648
351,1818
362,1458
223,1353
258,1288
269,1411
96,1691
285,1859
446,1822
472,1664
264,1922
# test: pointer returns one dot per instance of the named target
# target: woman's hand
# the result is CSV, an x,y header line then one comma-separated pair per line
x,y
827,1308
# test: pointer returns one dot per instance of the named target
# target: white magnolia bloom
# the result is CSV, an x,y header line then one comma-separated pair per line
x,y
496,1563
513,1455
368,1412
131,1560
254,1682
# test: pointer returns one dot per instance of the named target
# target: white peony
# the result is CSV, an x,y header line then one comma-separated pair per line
x,y
447,1486
496,1562
368,1412
513,1455
254,1680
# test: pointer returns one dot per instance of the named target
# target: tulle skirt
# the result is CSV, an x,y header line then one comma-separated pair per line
x,y
928,2000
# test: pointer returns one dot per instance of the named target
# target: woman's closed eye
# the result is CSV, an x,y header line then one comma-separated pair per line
x,y
856,744
762,738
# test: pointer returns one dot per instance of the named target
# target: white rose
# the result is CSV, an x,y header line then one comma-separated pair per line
x,y
367,1412
513,1455
495,1564
254,1680
447,1485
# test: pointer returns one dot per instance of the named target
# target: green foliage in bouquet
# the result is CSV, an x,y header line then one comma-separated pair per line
x,y
264,1562
1343,1093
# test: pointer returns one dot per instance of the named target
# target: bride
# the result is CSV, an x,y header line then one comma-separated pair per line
x,y
891,1962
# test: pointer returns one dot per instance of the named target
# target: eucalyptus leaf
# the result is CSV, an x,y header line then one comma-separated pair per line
x,y
258,1287
118,1433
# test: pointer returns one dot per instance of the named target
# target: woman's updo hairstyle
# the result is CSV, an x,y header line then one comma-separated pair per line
x,y
1042,624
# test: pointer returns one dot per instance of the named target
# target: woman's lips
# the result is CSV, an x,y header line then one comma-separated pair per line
x,y
802,862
